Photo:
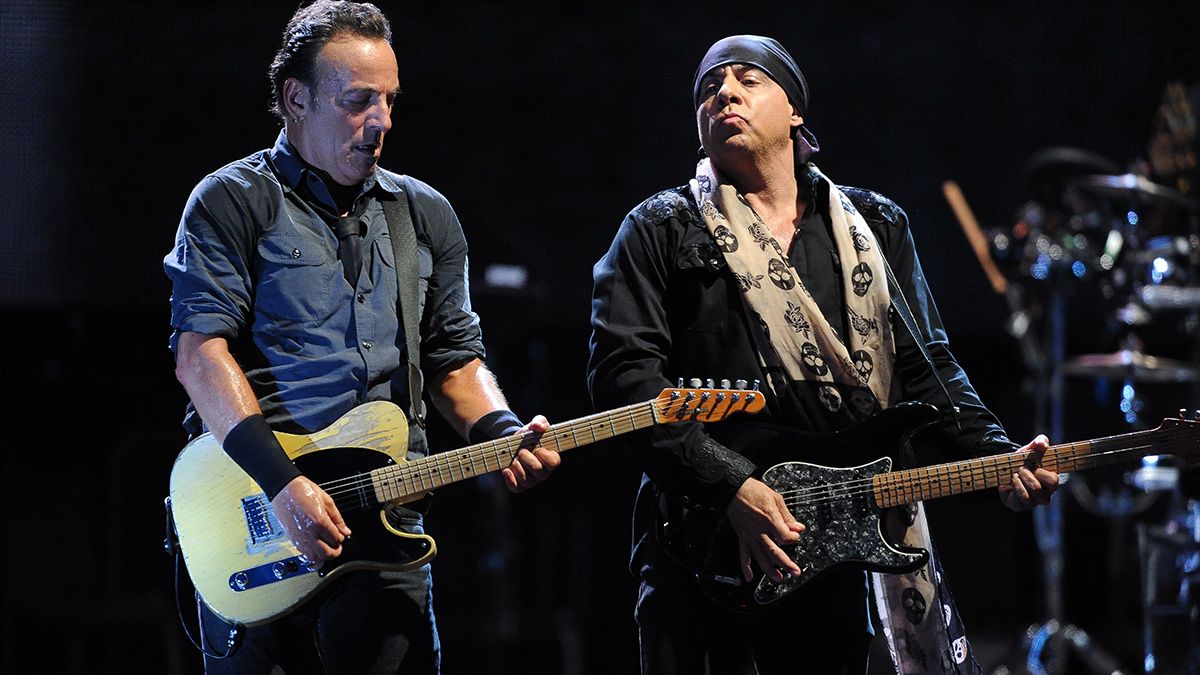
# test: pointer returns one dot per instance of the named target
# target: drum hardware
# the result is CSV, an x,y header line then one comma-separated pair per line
x,y
1136,190
1169,298
1168,557
1130,365
1091,228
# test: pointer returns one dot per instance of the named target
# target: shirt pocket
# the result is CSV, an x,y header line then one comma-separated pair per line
x,y
383,249
297,273
700,289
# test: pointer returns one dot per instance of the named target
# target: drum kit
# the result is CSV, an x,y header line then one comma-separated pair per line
x,y
1101,272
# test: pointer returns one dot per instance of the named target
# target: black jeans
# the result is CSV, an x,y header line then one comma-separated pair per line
x,y
364,622
825,631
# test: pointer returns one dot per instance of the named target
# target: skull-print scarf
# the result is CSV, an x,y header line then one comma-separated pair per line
x,y
802,341
922,627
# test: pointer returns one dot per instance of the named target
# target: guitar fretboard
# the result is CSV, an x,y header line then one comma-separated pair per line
x,y
942,480
430,473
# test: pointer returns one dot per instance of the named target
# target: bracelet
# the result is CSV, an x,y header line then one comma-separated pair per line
x,y
496,424
253,446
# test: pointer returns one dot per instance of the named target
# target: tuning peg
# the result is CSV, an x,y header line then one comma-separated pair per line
x,y
725,383
1183,413
740,384
696,383
679,384
755,386
710,384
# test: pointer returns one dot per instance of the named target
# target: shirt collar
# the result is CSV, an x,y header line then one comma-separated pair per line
x,y
295,172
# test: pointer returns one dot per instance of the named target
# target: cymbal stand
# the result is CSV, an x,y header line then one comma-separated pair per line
x,y
1050,642
1053,636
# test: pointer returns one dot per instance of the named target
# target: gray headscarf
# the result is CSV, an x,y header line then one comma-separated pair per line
x,y
770,57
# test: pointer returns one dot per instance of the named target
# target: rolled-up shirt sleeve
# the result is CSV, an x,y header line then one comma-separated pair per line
x,y
209,265
630,346
450,331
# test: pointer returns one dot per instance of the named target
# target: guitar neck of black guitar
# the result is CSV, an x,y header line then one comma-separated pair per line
x,y
943,480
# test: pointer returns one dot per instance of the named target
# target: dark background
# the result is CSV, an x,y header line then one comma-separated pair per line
x,y
543,126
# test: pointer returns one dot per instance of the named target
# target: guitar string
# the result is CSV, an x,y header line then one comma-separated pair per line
x,y
631,418
432,466
981,465
978,471
412,478
835,491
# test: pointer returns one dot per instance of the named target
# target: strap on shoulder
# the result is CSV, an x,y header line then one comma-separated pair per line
x,y
404,247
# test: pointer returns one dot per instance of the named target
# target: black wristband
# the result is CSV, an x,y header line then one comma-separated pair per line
x,y
253,446
496,424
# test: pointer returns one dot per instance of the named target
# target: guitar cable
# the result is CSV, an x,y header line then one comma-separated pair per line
x,y
236,633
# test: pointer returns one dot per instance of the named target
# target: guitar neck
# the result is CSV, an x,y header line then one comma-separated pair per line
x,y
435,471
943,480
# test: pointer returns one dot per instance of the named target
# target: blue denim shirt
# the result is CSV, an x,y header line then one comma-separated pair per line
x,y
255,264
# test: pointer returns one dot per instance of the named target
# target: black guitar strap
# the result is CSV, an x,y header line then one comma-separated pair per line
x,y
404,247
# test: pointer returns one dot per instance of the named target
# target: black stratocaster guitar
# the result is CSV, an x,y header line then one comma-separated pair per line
x,y
248,572
842,507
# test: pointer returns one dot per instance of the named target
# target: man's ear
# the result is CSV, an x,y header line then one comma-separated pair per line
x,y
297,98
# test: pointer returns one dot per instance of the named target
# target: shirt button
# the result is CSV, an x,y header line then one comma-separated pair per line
x,y
295,253
362,298
367,344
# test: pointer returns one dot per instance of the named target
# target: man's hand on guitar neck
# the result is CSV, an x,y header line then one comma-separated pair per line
x,y
311,519
763,524
531,465
1031,485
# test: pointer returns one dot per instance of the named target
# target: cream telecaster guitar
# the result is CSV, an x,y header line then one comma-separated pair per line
x,y
248,572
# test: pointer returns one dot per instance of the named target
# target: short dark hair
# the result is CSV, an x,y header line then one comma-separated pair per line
x,y
309,30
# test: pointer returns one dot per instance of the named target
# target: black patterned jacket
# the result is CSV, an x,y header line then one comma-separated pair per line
x,y
665,306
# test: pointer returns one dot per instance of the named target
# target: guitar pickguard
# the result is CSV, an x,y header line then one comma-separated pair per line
x,y
835,503
843,525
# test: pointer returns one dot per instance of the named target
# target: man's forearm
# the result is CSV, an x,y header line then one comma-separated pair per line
x,y
466,394
214,382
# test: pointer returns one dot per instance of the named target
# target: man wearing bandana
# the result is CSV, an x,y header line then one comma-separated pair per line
x,y
762,268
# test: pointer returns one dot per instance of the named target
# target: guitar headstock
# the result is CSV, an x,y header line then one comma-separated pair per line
x,y
1179,436
678,404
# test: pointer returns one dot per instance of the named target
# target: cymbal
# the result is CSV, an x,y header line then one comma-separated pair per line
x,y
1046,172
1128,364
1170,297
1134,188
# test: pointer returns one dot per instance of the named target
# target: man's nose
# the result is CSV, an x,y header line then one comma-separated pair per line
x,y
728,93
380,118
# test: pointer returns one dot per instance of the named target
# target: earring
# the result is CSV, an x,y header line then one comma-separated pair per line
x,y
297,120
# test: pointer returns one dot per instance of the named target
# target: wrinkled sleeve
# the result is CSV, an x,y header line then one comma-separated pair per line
x,y
450,332
975,430
630,344
210,264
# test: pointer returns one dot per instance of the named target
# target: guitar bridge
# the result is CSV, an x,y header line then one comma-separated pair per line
x,y
261,523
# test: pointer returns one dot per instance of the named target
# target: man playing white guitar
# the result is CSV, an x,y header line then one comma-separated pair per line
x,y
293,303
761,264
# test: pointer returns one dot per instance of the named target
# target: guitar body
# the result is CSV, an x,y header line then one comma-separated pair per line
x,y
248,572
239,558
831,496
